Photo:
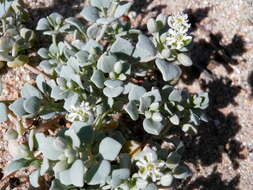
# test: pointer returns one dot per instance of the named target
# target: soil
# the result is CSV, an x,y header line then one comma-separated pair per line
x,y
221,155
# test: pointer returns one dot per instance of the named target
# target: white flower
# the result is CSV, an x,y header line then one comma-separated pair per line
x,y
149,165
81,113
179,22
177,40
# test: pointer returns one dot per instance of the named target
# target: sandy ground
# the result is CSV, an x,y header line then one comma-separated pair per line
x,y
221,155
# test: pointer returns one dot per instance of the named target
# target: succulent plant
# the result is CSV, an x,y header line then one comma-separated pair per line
x,y
107,72
15,38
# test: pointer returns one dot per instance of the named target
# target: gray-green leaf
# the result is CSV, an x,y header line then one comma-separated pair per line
x,y
98,78
109,148
77,168
152,127
170,72
122,8
145,49
17,107
99,174
132,110
17,165
122,46
34,178
90,13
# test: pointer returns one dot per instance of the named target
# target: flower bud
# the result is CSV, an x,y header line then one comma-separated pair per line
x,y
162,18
166,53
152,26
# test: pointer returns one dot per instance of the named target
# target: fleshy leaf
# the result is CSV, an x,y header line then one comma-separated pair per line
x,y
44,166
122,8
98,78
34,178
43,24
108,20
184,59
122,46
83,131
77,168
98,175
101,3
43,52
75,22
152,127
176,95
166,180
109,148
113,83
132,110
94,31
46,146
151,186
113,92
136,93
56,185
181,172
90,13
75,139
32,105
17,107
17,165
145,49
119,175
106,63
170,72
65,177
28,91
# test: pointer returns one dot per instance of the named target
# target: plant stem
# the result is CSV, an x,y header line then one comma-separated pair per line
x,y
102,33
4,24
105,26
36,71
54,39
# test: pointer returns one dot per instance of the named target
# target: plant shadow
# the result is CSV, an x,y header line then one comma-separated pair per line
x,y
250,82
214,182
217,138
207,54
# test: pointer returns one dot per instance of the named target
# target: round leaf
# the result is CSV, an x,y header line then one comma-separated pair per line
x,y
90,13
152,127
32,105
109,148
77,168
170,72
99,175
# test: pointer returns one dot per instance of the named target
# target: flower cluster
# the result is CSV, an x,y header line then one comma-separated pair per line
x,y
149,165
177,36
82,112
